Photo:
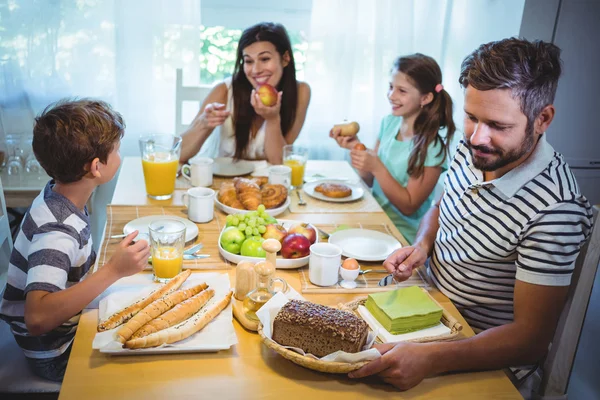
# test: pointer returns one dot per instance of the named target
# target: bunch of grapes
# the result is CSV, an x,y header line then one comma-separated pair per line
x,y
253,223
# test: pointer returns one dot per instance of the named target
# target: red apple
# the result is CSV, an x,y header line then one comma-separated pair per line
x,y
275,231
359,147
295,245
305,230
267,94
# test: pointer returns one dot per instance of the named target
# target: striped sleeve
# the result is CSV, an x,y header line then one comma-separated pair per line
x,y
551,243
51,255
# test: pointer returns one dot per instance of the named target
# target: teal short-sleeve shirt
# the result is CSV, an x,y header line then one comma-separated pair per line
x,y
395,154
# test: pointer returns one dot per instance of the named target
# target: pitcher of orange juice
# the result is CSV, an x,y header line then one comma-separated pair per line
x,y
295,157
167,240
160,160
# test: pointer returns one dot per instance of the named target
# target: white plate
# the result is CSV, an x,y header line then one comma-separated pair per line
x,y
282,263
273,212
226,166
141,224
364,244
357,190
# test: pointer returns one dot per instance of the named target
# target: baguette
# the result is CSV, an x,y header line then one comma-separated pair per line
x,y
125,314
156,308
177,314
183,330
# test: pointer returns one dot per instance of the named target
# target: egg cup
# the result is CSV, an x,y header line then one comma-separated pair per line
x,y
349,277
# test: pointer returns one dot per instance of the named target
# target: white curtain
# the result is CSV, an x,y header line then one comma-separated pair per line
x,y
353,44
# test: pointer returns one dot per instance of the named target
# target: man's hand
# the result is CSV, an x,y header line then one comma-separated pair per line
x,y
403,365
130,258
402,262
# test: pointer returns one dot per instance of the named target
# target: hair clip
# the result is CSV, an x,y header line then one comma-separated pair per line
x,y
439,88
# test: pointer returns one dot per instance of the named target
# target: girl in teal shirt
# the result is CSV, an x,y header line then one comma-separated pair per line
x,y
410,154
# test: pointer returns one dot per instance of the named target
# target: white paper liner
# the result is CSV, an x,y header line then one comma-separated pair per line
x,y
219,334
268,312
386,337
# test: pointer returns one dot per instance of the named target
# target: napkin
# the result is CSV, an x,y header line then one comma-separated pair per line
x,y
268,312
404,310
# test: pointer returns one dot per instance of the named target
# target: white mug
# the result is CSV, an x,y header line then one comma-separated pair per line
x,y
199,171
200,203
324,264
280,175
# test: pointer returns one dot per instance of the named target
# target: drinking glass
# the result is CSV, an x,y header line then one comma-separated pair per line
x,y
295,157
167,240
160,160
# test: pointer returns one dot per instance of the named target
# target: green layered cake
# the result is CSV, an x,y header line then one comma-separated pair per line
x,y
404,310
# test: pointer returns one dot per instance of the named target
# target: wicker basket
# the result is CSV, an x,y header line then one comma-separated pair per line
x,y
344,368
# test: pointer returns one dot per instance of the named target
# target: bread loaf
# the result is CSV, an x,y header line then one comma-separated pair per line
x,y
319,330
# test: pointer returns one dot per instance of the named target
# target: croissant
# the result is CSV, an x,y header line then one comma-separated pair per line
x,y
273,195
248,193
228,196
260,180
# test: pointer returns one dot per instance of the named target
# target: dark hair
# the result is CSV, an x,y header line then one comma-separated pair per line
x,y
529,69
71,133
243,113
425,73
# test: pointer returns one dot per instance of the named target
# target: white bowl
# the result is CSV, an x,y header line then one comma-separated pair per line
x,y
282,263
273,212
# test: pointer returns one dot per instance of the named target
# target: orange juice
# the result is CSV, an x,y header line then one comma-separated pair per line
x,y
166,262
297,167
160,171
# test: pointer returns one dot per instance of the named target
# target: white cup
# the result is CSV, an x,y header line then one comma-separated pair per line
x,y
280,175
199,171
324,264
200,203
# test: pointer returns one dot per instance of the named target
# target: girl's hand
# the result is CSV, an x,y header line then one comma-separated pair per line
x,y
214,115
266,112
345,142
365,160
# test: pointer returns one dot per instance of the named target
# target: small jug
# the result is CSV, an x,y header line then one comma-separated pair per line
x,y
264,281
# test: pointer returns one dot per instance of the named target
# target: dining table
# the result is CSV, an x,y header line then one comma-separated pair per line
x,y
249,369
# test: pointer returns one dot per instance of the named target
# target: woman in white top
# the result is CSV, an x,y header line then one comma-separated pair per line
x,y
249,129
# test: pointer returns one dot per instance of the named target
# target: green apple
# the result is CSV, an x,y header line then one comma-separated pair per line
x,y
232,239
252,247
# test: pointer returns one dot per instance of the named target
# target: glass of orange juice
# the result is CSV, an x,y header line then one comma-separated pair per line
x,y
295,157
160,160
167,240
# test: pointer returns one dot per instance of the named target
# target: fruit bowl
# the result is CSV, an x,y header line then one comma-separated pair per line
x,y
282,263
273,212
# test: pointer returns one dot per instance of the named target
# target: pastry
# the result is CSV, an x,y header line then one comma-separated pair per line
x,y
260,180
228,196
248,193
273,195
334,190
319,330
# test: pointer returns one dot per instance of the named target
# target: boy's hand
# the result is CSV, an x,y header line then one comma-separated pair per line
x,y
130,257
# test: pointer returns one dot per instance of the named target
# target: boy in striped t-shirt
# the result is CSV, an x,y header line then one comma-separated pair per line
x,y
77,143
505,235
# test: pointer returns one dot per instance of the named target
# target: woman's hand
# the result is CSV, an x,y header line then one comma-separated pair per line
x,y
365,160
214,115
345,142
268,113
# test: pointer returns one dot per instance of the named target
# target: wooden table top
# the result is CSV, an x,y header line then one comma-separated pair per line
x,y
248,370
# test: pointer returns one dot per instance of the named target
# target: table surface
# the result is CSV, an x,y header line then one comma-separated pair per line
x,y
248,370
21,190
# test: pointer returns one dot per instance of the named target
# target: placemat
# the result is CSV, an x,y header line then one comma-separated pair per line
x,y
366,204
367,283
208,234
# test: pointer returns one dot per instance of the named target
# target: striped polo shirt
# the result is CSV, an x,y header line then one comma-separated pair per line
x,y
52,252
528,225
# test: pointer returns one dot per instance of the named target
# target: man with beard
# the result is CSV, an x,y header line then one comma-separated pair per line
x,y
502,241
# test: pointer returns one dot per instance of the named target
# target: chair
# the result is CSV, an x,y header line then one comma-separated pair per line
x,y
558,364
15,375
195,94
